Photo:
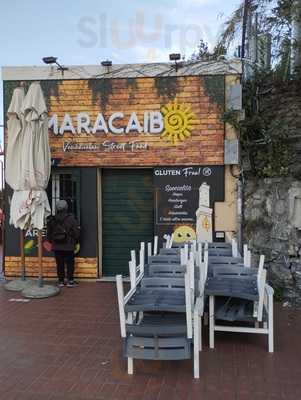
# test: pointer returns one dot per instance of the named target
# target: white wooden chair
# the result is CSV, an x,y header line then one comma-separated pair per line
x,y
260,313
152,249
128,327
136,272
247,256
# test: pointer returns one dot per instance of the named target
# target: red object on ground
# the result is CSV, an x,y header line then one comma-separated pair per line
x,y
47,245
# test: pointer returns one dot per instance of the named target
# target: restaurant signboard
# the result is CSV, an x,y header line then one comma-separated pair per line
x,y
177,197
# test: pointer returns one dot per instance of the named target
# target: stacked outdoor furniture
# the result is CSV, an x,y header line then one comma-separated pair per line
x,y
161,315
239,295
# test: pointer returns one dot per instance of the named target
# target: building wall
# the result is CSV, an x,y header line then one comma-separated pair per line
x,y
193,135
86,260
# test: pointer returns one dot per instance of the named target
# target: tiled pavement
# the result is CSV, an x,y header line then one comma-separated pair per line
x,y
68,348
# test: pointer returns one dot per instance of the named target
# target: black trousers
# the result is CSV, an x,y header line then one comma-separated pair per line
x,y
63,257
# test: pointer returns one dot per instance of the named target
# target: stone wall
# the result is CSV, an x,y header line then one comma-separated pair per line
x,y
269,229
280,102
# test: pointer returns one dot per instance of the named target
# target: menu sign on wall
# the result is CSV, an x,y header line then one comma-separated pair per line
x,y
177,192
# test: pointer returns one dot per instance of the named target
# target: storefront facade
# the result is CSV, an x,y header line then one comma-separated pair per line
x,y
136,151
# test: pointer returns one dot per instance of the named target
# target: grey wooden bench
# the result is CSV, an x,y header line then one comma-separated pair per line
x,y
244,287
170,252
164,259
237,270
223,260
220,252
158,294
219,245
166,270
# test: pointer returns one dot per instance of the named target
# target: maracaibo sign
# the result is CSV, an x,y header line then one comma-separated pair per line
x,y
137,124
174,122
152,123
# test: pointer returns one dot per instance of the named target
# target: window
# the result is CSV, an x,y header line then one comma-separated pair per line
x,y
65,185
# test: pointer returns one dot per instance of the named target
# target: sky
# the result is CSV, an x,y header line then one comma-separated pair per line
x,y
89,31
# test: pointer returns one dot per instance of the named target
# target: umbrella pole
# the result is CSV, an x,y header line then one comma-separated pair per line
x,y
40,258
23,277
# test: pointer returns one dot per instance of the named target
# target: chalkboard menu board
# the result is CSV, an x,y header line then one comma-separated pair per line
x,y
177,196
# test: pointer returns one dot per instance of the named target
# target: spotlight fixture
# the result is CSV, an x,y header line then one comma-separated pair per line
x,y
175,57
106,63
53,60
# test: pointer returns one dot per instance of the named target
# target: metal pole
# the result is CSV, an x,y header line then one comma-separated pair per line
x,y
244,33
40,258
23,275
296,37
239,215
244,27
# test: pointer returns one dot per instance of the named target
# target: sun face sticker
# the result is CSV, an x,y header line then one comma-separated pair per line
x,y
184,234
178,122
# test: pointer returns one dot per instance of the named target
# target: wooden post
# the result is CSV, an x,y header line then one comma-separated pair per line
x,y
40,258
22,253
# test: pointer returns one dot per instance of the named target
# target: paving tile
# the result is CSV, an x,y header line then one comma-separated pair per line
x,y
69,348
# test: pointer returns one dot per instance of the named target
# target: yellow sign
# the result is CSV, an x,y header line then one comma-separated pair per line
x,y
178,122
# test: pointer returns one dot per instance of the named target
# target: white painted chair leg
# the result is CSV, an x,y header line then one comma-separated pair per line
x,y
155,245
257,325
130,366
149,250
200,334
211,322
271,325
196,350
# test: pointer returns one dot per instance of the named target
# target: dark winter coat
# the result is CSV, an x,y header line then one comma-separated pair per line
x,y
72,229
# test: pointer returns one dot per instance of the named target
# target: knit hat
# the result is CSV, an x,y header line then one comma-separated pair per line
x,y
61,205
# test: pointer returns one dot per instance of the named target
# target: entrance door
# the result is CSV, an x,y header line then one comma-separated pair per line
x,y
127,216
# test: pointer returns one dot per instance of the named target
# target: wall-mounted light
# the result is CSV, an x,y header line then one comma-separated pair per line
x,y
53,60
106,63
175,57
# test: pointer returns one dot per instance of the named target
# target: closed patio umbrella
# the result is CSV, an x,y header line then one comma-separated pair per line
x,y
15,129
15,125
29,205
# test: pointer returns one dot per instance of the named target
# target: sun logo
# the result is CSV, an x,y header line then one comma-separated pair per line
x,y
178,122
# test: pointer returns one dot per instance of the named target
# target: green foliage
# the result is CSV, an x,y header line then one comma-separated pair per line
x,y
252,225
49,88
264,138
133,87
204,54
278,294
273,17
101,90
215,89
166,87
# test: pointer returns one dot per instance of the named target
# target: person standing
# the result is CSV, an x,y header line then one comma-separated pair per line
x,y
63,234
